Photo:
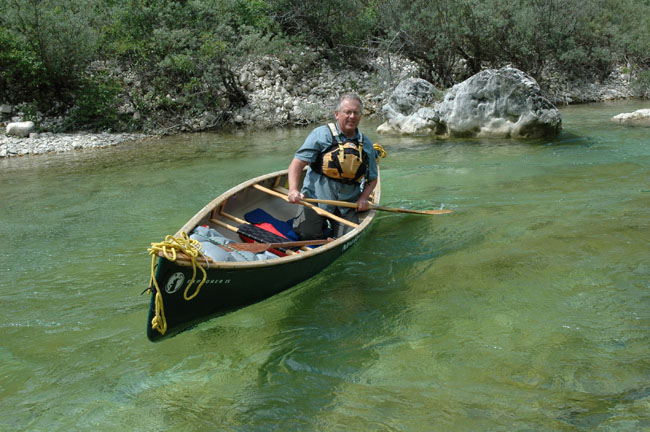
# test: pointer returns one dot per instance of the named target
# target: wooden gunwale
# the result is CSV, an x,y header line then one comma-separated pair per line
x,y
211,211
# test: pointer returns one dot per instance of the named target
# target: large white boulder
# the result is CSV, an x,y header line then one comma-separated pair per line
x,y
425,121
637,118
503,103
411,95
409,109
20,129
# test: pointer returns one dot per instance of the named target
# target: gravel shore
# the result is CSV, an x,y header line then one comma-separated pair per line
x,y
58,143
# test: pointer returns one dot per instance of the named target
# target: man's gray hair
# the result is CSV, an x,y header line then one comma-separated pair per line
x,y
349,96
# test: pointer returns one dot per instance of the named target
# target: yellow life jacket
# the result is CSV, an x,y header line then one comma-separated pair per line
x,y
343,160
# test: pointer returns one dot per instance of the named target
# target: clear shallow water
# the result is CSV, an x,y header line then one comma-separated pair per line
x,y
525,309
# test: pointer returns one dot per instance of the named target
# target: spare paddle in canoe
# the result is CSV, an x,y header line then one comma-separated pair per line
x,y
263,247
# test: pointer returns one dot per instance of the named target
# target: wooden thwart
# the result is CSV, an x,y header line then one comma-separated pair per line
x,y
232,217
224,224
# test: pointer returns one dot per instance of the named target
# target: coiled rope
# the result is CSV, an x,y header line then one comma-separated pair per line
x,y
169,249
379,151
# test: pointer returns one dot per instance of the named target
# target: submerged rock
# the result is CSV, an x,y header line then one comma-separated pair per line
x,y
637,118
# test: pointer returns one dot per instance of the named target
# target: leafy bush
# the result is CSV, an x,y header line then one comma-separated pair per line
x,y
95,103
641,84
585,38
186,53
340,26
22,75
189,50
56,37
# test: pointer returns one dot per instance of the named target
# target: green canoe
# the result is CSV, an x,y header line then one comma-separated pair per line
x,y
187,290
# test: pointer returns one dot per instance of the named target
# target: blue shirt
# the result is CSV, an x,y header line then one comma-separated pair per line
x,y
320,186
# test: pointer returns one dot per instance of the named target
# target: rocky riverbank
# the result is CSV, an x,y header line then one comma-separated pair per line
x,y
57,143
284,95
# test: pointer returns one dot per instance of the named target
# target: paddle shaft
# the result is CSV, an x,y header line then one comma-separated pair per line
x,y
376,207
317,209
262,247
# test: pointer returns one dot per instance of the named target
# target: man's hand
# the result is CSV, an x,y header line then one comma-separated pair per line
x,y
362,202
294,196
362,205
295,170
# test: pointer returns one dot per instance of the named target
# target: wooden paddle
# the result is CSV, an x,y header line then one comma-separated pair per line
x,y
263,247
376,207
317,209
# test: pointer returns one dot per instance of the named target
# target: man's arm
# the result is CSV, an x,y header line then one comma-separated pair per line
x,y
362,201
295,171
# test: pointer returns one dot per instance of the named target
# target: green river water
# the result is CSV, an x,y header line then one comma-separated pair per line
x,y
527,309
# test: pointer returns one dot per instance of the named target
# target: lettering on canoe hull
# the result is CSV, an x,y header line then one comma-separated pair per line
x,y
213,281
347,245
175,282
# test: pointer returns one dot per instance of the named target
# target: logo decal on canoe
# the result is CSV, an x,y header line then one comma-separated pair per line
x,y
174,282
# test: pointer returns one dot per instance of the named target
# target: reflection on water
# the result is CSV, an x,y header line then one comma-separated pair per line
x,y
525,309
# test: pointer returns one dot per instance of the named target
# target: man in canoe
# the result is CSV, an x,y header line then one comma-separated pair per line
x,y
341,166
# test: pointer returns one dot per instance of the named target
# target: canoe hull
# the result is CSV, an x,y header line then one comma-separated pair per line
x,y
232,285
228,289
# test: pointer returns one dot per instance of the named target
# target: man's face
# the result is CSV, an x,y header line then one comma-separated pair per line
x,y
349,116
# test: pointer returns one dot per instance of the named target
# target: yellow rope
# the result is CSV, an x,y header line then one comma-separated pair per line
x,y
169,248
381,153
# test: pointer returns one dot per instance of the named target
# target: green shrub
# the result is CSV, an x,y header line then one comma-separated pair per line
x,y
343,25
191,49
22,75
59,36
95,104
641,84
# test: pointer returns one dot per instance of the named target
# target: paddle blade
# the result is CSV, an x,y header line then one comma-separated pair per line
x,y
422,212
249,247
437,212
